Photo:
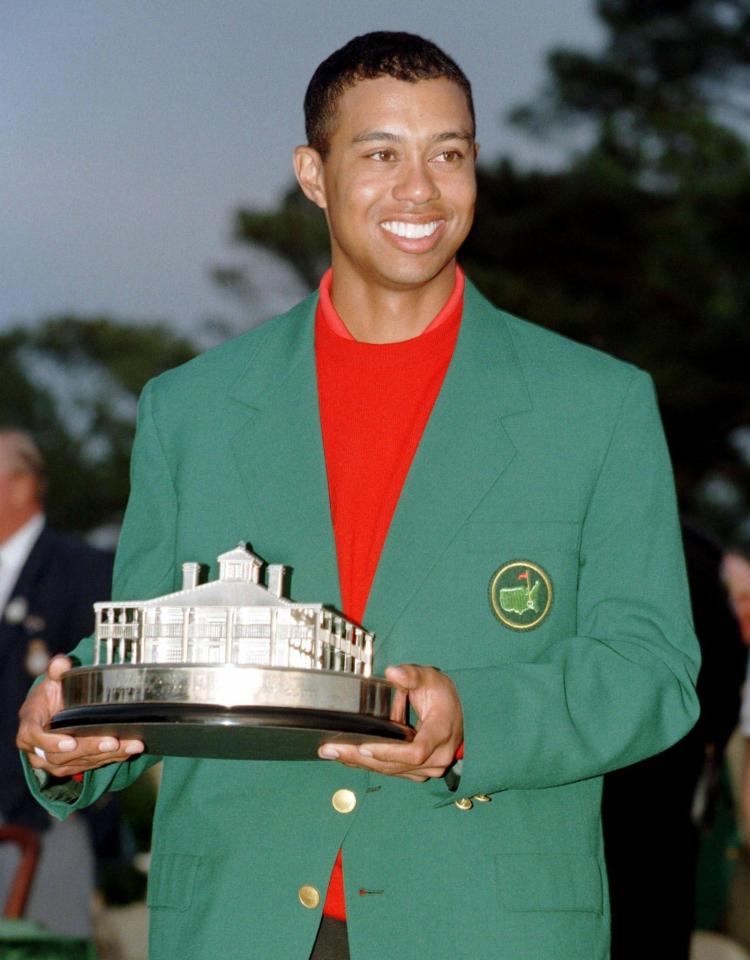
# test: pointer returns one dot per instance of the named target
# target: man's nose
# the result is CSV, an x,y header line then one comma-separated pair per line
x,y
416,183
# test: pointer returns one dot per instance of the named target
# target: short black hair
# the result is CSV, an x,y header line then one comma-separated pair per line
x,y
383,53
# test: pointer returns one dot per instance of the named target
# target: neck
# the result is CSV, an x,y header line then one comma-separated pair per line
x,y
374,313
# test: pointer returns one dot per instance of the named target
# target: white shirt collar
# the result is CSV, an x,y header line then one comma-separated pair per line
x,y
15,552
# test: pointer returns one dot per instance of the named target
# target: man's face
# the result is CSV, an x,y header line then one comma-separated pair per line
x,y
18,500
398,184
736,573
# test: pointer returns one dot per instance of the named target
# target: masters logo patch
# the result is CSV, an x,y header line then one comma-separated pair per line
x,y
520,594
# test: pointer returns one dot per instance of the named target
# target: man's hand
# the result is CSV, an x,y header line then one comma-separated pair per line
x,y
59,754
440,729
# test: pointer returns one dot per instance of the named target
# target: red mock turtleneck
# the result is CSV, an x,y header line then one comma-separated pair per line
x,y
374,400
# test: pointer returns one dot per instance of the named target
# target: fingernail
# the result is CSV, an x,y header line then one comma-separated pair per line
x,y
328,753
133,748
365,752
107,745
66,744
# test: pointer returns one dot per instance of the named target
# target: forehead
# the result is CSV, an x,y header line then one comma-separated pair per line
x,y
424,107
10,455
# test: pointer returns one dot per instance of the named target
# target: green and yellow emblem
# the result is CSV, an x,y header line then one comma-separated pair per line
x,y
521,594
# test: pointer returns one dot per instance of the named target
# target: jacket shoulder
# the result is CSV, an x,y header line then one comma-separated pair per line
x,y
554,362
211,372
557,360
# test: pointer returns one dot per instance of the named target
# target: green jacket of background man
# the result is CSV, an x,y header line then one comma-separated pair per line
x,y
538,451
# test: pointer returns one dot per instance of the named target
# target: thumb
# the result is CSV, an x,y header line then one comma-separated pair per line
x,y
58,666
405,675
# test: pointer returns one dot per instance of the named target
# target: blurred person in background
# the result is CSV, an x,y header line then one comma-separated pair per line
x,y
653,811
735,571
736,576
48,583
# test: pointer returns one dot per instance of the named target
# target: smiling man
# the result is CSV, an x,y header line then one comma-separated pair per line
x,y
395,175
494,501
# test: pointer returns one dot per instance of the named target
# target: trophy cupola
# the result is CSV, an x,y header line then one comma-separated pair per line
x,y
240,564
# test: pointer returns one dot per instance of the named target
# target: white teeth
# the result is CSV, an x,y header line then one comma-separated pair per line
x,y
412,231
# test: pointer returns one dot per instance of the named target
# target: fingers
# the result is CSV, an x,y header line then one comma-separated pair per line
x,y
440,729
57,753
408,676
58,666
32,738
35,713
64,756
349,756
61,754
418,760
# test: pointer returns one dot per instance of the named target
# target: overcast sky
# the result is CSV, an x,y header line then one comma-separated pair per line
x,y
131,129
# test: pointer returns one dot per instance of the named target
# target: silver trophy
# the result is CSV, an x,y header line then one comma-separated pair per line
x,y
231,668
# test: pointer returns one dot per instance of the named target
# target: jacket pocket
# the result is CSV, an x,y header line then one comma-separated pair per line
x,y
171,880
549,882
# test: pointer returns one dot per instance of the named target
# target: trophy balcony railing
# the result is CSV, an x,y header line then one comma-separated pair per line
x,y
300,636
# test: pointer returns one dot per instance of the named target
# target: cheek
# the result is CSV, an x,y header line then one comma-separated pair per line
x,y
461,196
351,200
469,197
368,191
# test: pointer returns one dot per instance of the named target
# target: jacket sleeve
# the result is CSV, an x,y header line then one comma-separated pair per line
x,y
623,688
144,567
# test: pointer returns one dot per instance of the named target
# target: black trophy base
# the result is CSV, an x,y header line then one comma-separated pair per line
x,y
246,733
230,712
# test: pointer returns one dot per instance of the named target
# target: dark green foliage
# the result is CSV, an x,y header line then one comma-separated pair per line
x,y
296,232
73,382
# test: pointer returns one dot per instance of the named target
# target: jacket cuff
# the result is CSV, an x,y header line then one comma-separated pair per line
x,y
58,789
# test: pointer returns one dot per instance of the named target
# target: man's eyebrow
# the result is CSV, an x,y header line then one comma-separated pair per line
x,y
368,135
383,135
454,135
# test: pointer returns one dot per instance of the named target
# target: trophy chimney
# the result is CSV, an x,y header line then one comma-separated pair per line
x,y
276,579
190,575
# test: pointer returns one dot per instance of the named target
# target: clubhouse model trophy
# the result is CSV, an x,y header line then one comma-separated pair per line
x,y
231,668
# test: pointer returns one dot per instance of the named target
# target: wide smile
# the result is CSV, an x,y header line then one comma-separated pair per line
x,y
413,237
414,231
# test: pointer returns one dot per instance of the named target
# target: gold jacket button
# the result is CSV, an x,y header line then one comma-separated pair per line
x,y
482,798
309,896
344,801
463,804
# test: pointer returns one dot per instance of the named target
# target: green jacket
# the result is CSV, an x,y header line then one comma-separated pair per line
x,y
538,450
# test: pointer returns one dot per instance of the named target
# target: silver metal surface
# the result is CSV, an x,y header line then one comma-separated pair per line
x,y
230,711
238,618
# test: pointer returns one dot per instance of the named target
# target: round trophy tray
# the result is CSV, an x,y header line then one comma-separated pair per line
x,y
230,712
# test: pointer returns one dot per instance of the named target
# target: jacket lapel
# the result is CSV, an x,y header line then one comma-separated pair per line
x,y
463,451
279,453
278,449
24,585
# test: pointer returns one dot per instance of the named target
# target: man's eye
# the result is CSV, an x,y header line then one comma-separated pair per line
x,y
382,155
449,156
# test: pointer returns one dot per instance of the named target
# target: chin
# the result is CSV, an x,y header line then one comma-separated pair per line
x,y
415,275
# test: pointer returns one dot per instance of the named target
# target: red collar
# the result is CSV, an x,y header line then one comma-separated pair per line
x,y
336,325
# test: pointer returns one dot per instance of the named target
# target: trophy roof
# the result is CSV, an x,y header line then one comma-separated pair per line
x,y
241,552
221,593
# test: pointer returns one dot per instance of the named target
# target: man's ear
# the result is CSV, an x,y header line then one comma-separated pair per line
x,y
308,167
